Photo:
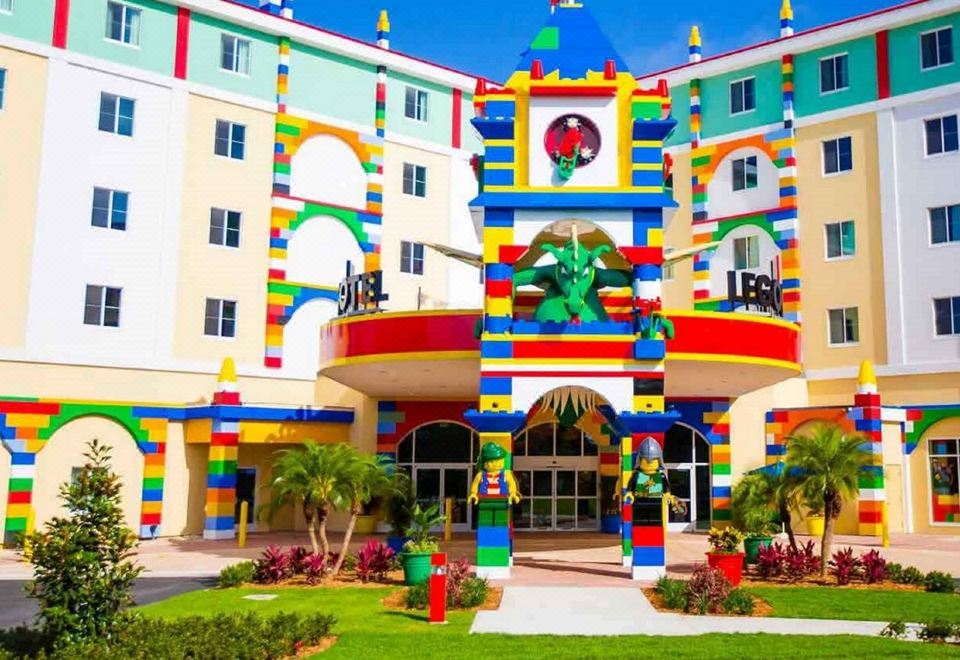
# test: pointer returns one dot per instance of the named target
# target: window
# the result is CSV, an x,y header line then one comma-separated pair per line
x,y
668,269
411,258
944,456
945,224
746,252
102,306
109,208
414,180
833,74
936,48
415,104
942,135
946,312
224,227
230,139
116,114
235,54
841,239
838,155
743,97
6,6
123,23
3,84
220,318
745,173
844,326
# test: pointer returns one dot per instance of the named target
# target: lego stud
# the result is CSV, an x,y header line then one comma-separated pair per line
x,y
536,70
867,380
610,70
695,44
786,19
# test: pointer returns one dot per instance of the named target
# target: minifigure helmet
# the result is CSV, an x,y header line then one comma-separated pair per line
x,y
650,449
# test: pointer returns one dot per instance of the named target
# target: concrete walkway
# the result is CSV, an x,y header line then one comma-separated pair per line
x,y
599,611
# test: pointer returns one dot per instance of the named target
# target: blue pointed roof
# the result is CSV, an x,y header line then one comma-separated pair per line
x,y
571,42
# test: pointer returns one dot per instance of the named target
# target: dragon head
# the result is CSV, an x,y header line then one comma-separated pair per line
x,y
575,272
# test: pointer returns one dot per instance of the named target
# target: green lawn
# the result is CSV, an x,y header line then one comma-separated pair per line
x,y
859,604
368,630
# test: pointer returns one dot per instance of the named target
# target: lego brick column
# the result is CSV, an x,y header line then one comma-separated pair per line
x,y
222,460
717,421
626,509
867,420
154,450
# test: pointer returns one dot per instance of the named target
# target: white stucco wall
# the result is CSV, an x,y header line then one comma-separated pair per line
x,y
723,259
602,112
724,201
326,169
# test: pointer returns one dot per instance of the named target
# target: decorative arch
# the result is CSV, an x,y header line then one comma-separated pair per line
x,y
395,419
410,436
921,420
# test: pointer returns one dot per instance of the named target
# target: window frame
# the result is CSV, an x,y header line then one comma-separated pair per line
x,y
418,107
946,220
846,58
755,238
668,272
3,87
6,11
117,99
412,259
936,31
929,471
111,208
248,63
220,318
943,146
823,156
101,305
826,240
125,8
231,139
746,180
414,180
745,110
845,343
954,315
225,227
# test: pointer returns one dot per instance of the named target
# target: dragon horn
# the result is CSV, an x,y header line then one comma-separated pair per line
x,y
551,248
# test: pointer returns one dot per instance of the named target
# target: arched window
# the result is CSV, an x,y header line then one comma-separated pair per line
x,y
686,458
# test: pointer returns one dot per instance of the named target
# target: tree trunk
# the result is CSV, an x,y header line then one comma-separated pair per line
x,y
827,540
788,524
322,514
345,548
312,530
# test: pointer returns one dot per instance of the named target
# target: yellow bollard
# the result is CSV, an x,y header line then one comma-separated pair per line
x,y
664,514
242,535
448,519
27,546
885,525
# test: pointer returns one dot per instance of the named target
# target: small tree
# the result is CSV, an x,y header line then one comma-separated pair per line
x,y
761,499
827,464
366,478
82,563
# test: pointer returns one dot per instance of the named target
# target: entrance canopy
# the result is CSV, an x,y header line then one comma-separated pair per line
x,y
436,354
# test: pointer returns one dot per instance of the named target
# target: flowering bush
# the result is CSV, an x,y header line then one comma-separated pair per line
x,y
874,567
273,565
812,557
844,565
314,565
725,541
770,560
374,561
707,589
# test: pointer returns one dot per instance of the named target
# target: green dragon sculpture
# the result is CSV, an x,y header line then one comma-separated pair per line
x,y
572,284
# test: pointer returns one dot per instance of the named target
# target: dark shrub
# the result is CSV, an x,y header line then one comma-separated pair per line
x,y
844,565
874,567
738,601
674,593
418,596
457,572
895,630
911,575
795,564
295,557
314,566
473,592
938,631
273,565
236,574
939,582
894,571
707,589
770,561
373,561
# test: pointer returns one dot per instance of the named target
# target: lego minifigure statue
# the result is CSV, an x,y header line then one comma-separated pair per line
x,y
492,480
649,484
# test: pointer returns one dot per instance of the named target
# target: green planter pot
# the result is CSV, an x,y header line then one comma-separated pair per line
x,y
416,567
751,547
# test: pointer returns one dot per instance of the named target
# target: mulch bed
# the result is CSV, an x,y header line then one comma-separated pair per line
x,y
324,644
342,581
760,607
817,581
398,600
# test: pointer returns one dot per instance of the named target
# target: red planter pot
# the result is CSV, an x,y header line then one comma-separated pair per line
x,y
731,565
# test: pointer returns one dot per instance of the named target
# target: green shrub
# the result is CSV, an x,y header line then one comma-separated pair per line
x,y
911,575
674,593
418,596
738,601
894,572
939,582
236,574
473,592
895,630
219,637
707,589
938,631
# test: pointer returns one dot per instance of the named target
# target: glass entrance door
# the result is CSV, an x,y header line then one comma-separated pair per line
x,y
433,484
556,499
680,481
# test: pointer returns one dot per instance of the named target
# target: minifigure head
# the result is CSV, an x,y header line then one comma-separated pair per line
x,y
651,456
492,457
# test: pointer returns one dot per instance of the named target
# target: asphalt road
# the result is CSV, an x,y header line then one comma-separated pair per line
x,y
16,608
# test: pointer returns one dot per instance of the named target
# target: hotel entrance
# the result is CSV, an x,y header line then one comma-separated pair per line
x,y
686,457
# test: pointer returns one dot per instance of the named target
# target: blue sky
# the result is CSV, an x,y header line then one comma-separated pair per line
x,y
486,36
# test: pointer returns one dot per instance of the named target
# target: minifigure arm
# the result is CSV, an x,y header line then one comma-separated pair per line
x,y
474,496
531,276
631,486
512,489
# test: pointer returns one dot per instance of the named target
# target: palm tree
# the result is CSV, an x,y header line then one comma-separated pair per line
x,y
365,479
827,464
314,476
764,497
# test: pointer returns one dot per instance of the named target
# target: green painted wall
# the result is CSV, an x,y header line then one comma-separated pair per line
x,y
905,73
332,85
862,70
31,19
715,100
680,101
87,32
437,128
204,59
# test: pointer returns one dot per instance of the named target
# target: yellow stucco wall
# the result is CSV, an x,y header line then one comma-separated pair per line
x,y
850,282
922,389
21,143
65,450
748,419
678,292
920,477
212,271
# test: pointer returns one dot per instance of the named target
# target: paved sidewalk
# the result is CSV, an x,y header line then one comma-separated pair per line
x,y
603,611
